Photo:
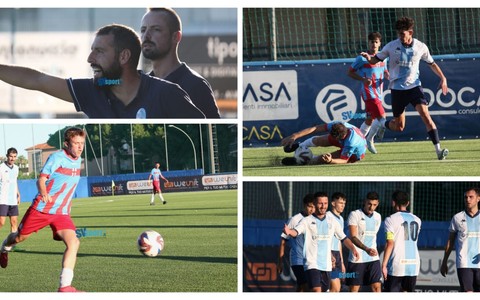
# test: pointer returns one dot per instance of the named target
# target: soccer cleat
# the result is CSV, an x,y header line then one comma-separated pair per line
x,y
291,148
442,154
4,259
289,161
152,203
371,147
164,202
380,133
68,289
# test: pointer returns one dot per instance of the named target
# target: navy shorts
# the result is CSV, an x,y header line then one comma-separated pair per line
x,y
317,278
299,273
365,273
8,210
469,279
397,284
402,98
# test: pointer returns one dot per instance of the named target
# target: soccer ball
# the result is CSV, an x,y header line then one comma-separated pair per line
x,y
303,155
150,243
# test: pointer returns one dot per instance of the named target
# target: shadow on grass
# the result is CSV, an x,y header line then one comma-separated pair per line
x,y
203,259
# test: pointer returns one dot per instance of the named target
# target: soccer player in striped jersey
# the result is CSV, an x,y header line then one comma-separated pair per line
x,y
371,91
364,224
401,260
9,193
338,201
296,245
465,236
404,56
319,229
51,207
156,174
345,136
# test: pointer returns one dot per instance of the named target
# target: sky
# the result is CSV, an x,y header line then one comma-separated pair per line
x,y
22,136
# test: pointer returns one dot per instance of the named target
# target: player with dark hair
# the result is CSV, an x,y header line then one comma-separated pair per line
x,y
117,89
338,201
161,33
342,135
401,260
364,224
9,193
296,245
51,207
371,91
464,236
404,56
319,229
156,174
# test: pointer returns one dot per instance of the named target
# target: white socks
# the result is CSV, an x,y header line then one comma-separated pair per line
x,y
364,128
376,124
308,143
66,277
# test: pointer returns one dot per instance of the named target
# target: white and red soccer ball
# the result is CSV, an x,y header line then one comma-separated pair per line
x,y
150,243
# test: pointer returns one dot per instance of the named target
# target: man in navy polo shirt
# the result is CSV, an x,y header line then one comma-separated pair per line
x,y
117,90
161,32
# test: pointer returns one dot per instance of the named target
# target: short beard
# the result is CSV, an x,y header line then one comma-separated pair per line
x,y
113,74
154,54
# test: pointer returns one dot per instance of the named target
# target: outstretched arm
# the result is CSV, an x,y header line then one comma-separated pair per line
x,y
289,140
34,80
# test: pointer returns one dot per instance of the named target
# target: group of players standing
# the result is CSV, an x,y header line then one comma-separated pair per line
x,y
316,255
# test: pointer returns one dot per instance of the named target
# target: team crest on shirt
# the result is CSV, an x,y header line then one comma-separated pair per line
x,y
141,114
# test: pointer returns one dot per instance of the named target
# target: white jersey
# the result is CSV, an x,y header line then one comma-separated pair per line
x,y
296,244
317,250
403,228
467,243
336,242
8,184
367,229
404,63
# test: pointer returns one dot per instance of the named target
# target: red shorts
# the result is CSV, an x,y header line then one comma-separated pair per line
x,y
34,220
156,186
374,108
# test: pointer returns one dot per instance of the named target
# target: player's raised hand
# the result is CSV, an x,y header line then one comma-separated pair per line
x,y
365,55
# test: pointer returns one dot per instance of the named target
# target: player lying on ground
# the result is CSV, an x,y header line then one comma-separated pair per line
x,y
342,135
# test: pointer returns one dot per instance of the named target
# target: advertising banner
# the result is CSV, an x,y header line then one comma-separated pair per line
x,y
175,184
285,97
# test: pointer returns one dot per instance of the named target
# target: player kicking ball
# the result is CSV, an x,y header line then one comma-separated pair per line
x,y
51,207
345,136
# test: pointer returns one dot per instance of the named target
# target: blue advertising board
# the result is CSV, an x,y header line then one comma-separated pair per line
x,y
280,98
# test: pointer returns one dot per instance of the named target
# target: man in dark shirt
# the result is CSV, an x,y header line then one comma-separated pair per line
x,y
117,89
161,32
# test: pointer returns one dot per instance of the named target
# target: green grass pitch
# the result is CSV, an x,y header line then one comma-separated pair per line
x,y
393,159
200,254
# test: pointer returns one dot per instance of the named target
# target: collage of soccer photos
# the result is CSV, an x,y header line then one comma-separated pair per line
x,y
338,151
